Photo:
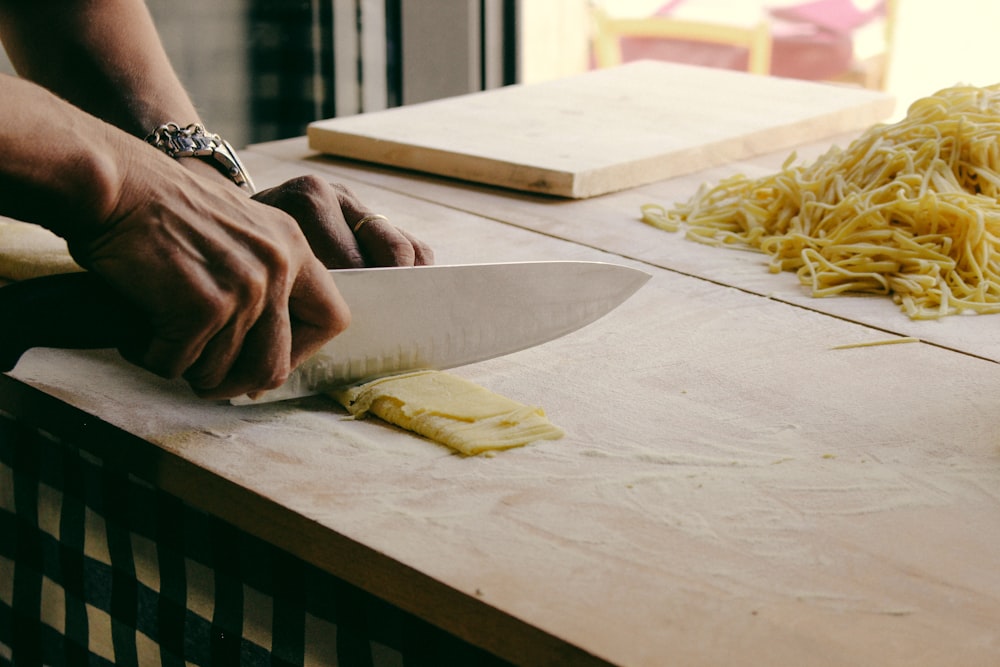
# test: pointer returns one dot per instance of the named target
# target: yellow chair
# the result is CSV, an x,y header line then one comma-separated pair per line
x,y
872,70
868,70
608,32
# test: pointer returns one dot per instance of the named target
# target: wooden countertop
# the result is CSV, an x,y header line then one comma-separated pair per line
x,y
731,490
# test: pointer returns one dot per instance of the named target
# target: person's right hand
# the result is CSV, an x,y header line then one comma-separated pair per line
x,y
235,297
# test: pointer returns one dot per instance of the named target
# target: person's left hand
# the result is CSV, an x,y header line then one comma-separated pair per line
x,y
329,213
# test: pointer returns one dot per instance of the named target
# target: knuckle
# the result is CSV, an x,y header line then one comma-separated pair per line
x,y
207,312
272,266
312,182
276,376
202,380
403,252
334,319
348,201
338,324
310,187
301,196
342,190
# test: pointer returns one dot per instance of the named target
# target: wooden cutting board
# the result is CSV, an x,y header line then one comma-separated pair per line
x,y
730,491
602,131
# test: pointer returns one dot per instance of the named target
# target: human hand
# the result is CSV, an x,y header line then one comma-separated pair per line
x,y
234,296
328,214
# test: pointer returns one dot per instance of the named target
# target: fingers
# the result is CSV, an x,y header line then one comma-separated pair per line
x,y
384,244
291,327
237,292
315,321
197,337
423,254
316,206
232,312
329,215
263,360
219,362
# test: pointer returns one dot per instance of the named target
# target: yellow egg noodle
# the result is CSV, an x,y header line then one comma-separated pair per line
x,y
877,343
908,209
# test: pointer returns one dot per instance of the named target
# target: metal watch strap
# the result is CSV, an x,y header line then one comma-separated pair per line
x,y
195,141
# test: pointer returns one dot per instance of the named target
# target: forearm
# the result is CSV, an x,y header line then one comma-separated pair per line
x,y
103,56
62,168
235,296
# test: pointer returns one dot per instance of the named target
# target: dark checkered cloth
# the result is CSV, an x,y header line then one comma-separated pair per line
x,y
99,568
291,66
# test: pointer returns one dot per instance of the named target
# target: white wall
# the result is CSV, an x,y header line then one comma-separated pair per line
x,y
554,39
940,44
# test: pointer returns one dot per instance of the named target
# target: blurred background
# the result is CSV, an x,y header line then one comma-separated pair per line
x,y
261,70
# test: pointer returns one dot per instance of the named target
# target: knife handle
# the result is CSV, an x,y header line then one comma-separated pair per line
x,y
69,310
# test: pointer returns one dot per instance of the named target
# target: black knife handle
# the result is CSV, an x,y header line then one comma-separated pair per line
x,y
69,310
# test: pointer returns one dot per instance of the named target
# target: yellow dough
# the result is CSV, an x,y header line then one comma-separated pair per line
x,y
29,251
449,410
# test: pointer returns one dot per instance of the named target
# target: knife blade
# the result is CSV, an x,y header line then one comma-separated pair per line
x,y
403,318
439,317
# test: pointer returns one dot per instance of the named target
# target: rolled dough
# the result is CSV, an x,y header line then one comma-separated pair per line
x,y
30,251
450,410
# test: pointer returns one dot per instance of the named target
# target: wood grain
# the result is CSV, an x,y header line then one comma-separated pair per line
x,y
730,490
612,223
602,131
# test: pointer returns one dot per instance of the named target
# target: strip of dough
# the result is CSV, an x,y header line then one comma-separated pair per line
x,y
874,343
449,410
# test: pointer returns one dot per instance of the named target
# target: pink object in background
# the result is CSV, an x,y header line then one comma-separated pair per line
x,y
812,40
840,16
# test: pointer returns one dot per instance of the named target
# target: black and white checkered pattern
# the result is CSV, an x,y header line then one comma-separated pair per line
x,y
99,568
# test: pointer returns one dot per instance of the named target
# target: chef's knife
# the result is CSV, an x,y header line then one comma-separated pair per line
x,y
402,318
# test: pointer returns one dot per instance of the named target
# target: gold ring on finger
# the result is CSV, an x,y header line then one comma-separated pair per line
x,y
368,218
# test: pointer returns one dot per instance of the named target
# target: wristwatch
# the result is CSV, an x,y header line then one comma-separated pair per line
x,y
194,141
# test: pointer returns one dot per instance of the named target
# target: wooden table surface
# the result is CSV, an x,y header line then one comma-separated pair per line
x,y
731,490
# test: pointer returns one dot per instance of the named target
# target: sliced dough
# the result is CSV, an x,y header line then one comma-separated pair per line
x,y
450,410
29,251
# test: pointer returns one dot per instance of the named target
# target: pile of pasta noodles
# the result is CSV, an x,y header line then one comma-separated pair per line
x,y
909,210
